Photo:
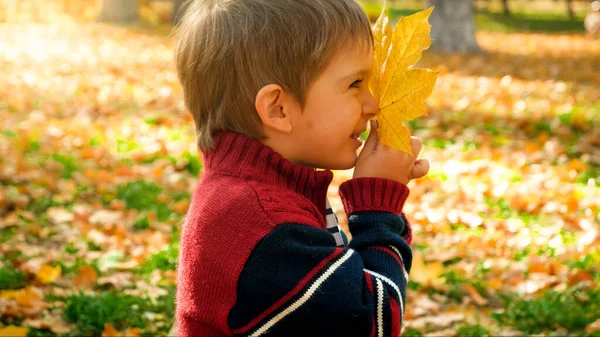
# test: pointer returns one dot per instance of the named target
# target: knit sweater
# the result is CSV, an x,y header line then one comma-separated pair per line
x,y
256,257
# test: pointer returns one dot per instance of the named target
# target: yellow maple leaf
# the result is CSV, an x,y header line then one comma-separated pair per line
x,y
427,274
400,89
48,274
13,331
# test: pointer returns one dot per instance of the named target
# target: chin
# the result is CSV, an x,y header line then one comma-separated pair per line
x,y
343,164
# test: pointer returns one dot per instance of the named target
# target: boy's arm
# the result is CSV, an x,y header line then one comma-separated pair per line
x,y
297,282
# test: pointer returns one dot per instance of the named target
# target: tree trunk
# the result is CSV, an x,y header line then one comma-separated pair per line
x,y
570,9
505,6
179,7
119,11
453,26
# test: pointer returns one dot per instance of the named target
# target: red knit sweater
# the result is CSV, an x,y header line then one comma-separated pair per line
x,y
256,258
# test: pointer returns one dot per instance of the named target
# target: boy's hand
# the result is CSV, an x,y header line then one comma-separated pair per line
x,y
380,161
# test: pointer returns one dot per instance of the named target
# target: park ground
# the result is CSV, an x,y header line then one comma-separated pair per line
x,y
98,160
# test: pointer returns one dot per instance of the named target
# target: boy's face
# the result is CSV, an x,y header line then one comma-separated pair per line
x,y
337,107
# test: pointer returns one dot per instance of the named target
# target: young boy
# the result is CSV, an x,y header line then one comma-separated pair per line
x,y
278,88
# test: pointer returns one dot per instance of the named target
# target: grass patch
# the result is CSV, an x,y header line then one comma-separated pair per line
x,y
472,330
40,333
143,196
69,164
10,277
9,133
163,260
91,312
39,206
142,223
590,173
193,163
6,234
412,332
140,195
551,22
571,311
456,280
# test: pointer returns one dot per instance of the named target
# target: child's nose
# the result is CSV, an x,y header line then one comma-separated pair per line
x,y
370,106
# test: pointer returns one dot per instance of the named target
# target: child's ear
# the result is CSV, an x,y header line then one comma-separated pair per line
x,y
272,105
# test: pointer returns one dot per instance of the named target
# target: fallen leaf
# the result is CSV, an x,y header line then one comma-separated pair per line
x,y
580,276
427,274
48,274
53,323
59,216
133,332
474,294
118,280
110,331
593,327
13,331
86,276
399,89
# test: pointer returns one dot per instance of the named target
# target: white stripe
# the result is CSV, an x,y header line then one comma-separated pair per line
x,y
338,239
306,295
388,281
401,259
379,308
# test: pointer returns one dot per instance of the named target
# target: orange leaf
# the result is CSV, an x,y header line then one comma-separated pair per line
x,y
110,331
580,276
133,332
539,267
47,274
86,276
576,165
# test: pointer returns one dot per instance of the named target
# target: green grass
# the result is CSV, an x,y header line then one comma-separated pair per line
x,y
163,260
411,332
551,22
572,311
472,330
143,196
91,312
68,162
10,277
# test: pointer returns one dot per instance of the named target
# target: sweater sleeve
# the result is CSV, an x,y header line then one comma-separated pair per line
x,y
297,282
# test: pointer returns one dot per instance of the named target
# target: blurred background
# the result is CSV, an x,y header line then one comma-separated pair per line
x,y
98,160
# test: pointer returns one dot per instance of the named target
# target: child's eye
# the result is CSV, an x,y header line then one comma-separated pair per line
x,y
356,83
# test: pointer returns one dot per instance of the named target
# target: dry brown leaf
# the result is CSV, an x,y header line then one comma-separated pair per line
x,y
474,294
59,216
55,324
118,280
593,327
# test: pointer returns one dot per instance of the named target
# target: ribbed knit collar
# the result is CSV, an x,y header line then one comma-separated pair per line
x,y
237,155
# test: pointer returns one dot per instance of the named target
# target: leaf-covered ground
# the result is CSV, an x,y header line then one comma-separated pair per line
x,y
97,162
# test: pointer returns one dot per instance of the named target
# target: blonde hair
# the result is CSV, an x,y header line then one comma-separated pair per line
x,y
229,49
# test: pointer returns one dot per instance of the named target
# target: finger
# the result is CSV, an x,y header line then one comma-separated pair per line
x,y
416,144
372,140
420,169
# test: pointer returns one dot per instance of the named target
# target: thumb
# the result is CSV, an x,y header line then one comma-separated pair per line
x,y
373,139
420,169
